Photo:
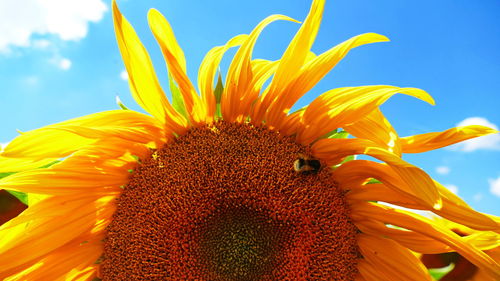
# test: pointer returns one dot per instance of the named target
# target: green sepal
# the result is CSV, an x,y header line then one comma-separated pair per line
x,y
335,134
219,88
348,158
3,175
21,196
372,181
120,103
338,135
177,100
438,273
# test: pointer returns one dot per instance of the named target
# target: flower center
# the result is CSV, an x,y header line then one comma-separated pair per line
x,y
224,202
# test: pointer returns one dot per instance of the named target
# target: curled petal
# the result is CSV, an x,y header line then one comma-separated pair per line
x,y
208,69
375,127
174,56
343,106
419,182
144,84
353,174
311,73
419,224
240,76
431,141
292,60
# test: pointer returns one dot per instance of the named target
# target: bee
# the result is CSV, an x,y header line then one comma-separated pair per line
x,y
306,165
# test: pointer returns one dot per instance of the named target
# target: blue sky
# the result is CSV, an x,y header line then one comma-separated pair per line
x,y
61,62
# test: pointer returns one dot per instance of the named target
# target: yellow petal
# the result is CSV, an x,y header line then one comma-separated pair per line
x,y
392,259
455,209
311,73
431,141
409,239
114,154
293,59
262,70
73,261
208,70
176,63
343,106
39,238
56,181
240,77
144,84
370,272
22,164
419,224
353,174
375,127
292,123
49,142
419,182
138,135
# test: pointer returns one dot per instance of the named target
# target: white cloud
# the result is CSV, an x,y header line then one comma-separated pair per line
x,y
67,19
124,75
41,43
443,170
64,64
495,186
451,187
489,142
3,145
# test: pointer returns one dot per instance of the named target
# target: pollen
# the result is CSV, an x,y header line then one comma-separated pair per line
x,y
223,202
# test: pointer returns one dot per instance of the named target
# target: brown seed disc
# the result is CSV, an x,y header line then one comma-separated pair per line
x,y
223,202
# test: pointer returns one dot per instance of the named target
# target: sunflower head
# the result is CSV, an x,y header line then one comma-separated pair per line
x,y
227,183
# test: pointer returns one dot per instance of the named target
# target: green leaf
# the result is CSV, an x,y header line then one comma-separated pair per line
x,y
21,196
219,88
177,101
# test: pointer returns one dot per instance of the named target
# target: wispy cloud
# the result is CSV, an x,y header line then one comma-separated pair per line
x,y
64,64
124,75
489,142
66,19
495,186
451,187
443,170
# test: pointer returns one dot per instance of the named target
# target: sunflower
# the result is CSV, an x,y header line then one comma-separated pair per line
x,y
229,184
